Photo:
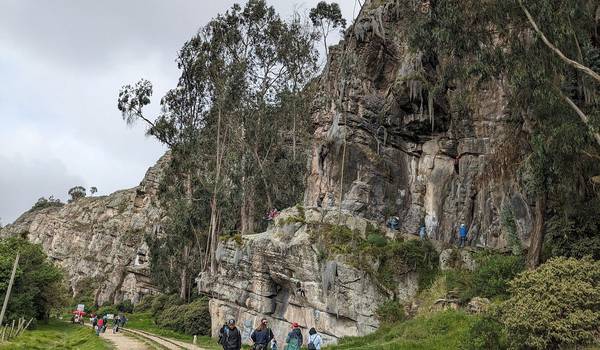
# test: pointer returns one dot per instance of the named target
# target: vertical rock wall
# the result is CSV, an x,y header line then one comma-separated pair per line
x,y
392,150
99,241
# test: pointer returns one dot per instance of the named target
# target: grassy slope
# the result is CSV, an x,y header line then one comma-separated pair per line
x,y
443,330
143,321
58,335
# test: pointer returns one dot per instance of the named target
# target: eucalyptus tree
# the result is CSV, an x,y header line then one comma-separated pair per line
x,y
226,130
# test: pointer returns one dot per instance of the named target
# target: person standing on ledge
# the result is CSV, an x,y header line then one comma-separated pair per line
x,y
462,231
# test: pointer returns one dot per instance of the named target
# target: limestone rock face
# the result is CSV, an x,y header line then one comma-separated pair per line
x,y
279,275
392,149
100,240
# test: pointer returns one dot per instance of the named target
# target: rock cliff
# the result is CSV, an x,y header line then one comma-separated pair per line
x,y
99,241
282,275
385,146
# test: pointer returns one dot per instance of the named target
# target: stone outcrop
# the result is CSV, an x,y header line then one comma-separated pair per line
x,y
281,275
392,148
99,241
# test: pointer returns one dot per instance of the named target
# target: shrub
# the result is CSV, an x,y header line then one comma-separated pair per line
x,y
490,279
390,312
107,309
164,301
493,272
145,303
192,318
125,306
487,333
556,305
376,240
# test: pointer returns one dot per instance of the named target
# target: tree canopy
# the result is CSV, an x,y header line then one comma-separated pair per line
x,y
39,285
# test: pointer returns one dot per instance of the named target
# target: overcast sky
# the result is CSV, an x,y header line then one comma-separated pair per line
x,y
62,63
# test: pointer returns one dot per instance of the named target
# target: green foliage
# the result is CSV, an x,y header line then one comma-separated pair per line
x,y
486,333
489,279
327,17
390,312
439,331
76,193
572,232
39,286
231,102
58,335
493,274
507,218
46,203
125,306
107,309
469,42
556,305
192,318
385,260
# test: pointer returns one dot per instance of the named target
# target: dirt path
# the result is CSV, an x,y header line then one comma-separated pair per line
x,y
168,343
123,342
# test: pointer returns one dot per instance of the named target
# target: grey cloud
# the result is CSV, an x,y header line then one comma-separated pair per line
x,y
22,182
62,63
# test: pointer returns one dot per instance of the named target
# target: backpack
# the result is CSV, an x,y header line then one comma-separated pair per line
x,y
293,344
224,334
311,344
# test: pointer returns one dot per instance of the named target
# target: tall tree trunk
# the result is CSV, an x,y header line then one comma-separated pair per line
x,y
213,201
537,234
183,285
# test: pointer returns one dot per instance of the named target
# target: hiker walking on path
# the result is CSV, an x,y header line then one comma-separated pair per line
x,y
462,231
314,340
230,337
294,338
262,336
99,326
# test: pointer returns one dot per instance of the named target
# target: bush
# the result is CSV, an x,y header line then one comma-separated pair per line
x,y
390,312
164,301
493,273
487,333
556,305
125,306
107,309
145,303
490,279
193,318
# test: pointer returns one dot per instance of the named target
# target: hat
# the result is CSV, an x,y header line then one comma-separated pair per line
x,y
295,325
462,225
312,331
231,321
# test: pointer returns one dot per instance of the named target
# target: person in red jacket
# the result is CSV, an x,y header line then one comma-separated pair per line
x,y
99,326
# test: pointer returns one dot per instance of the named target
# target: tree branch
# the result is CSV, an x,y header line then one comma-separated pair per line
x,y
584,118
562,56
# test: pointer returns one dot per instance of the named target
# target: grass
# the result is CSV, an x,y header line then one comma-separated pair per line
x,y
442,330
57,335
143,321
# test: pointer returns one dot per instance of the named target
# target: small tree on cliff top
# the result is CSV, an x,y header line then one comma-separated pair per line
x,y
327,17
76,193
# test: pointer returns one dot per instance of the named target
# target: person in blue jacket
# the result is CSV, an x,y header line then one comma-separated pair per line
x,y
462,231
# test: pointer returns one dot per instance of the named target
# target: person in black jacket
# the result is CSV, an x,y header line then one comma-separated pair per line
x,y
262,336
230,337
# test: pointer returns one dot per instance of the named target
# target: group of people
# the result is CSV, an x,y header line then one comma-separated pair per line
x,y
263,338
101,323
